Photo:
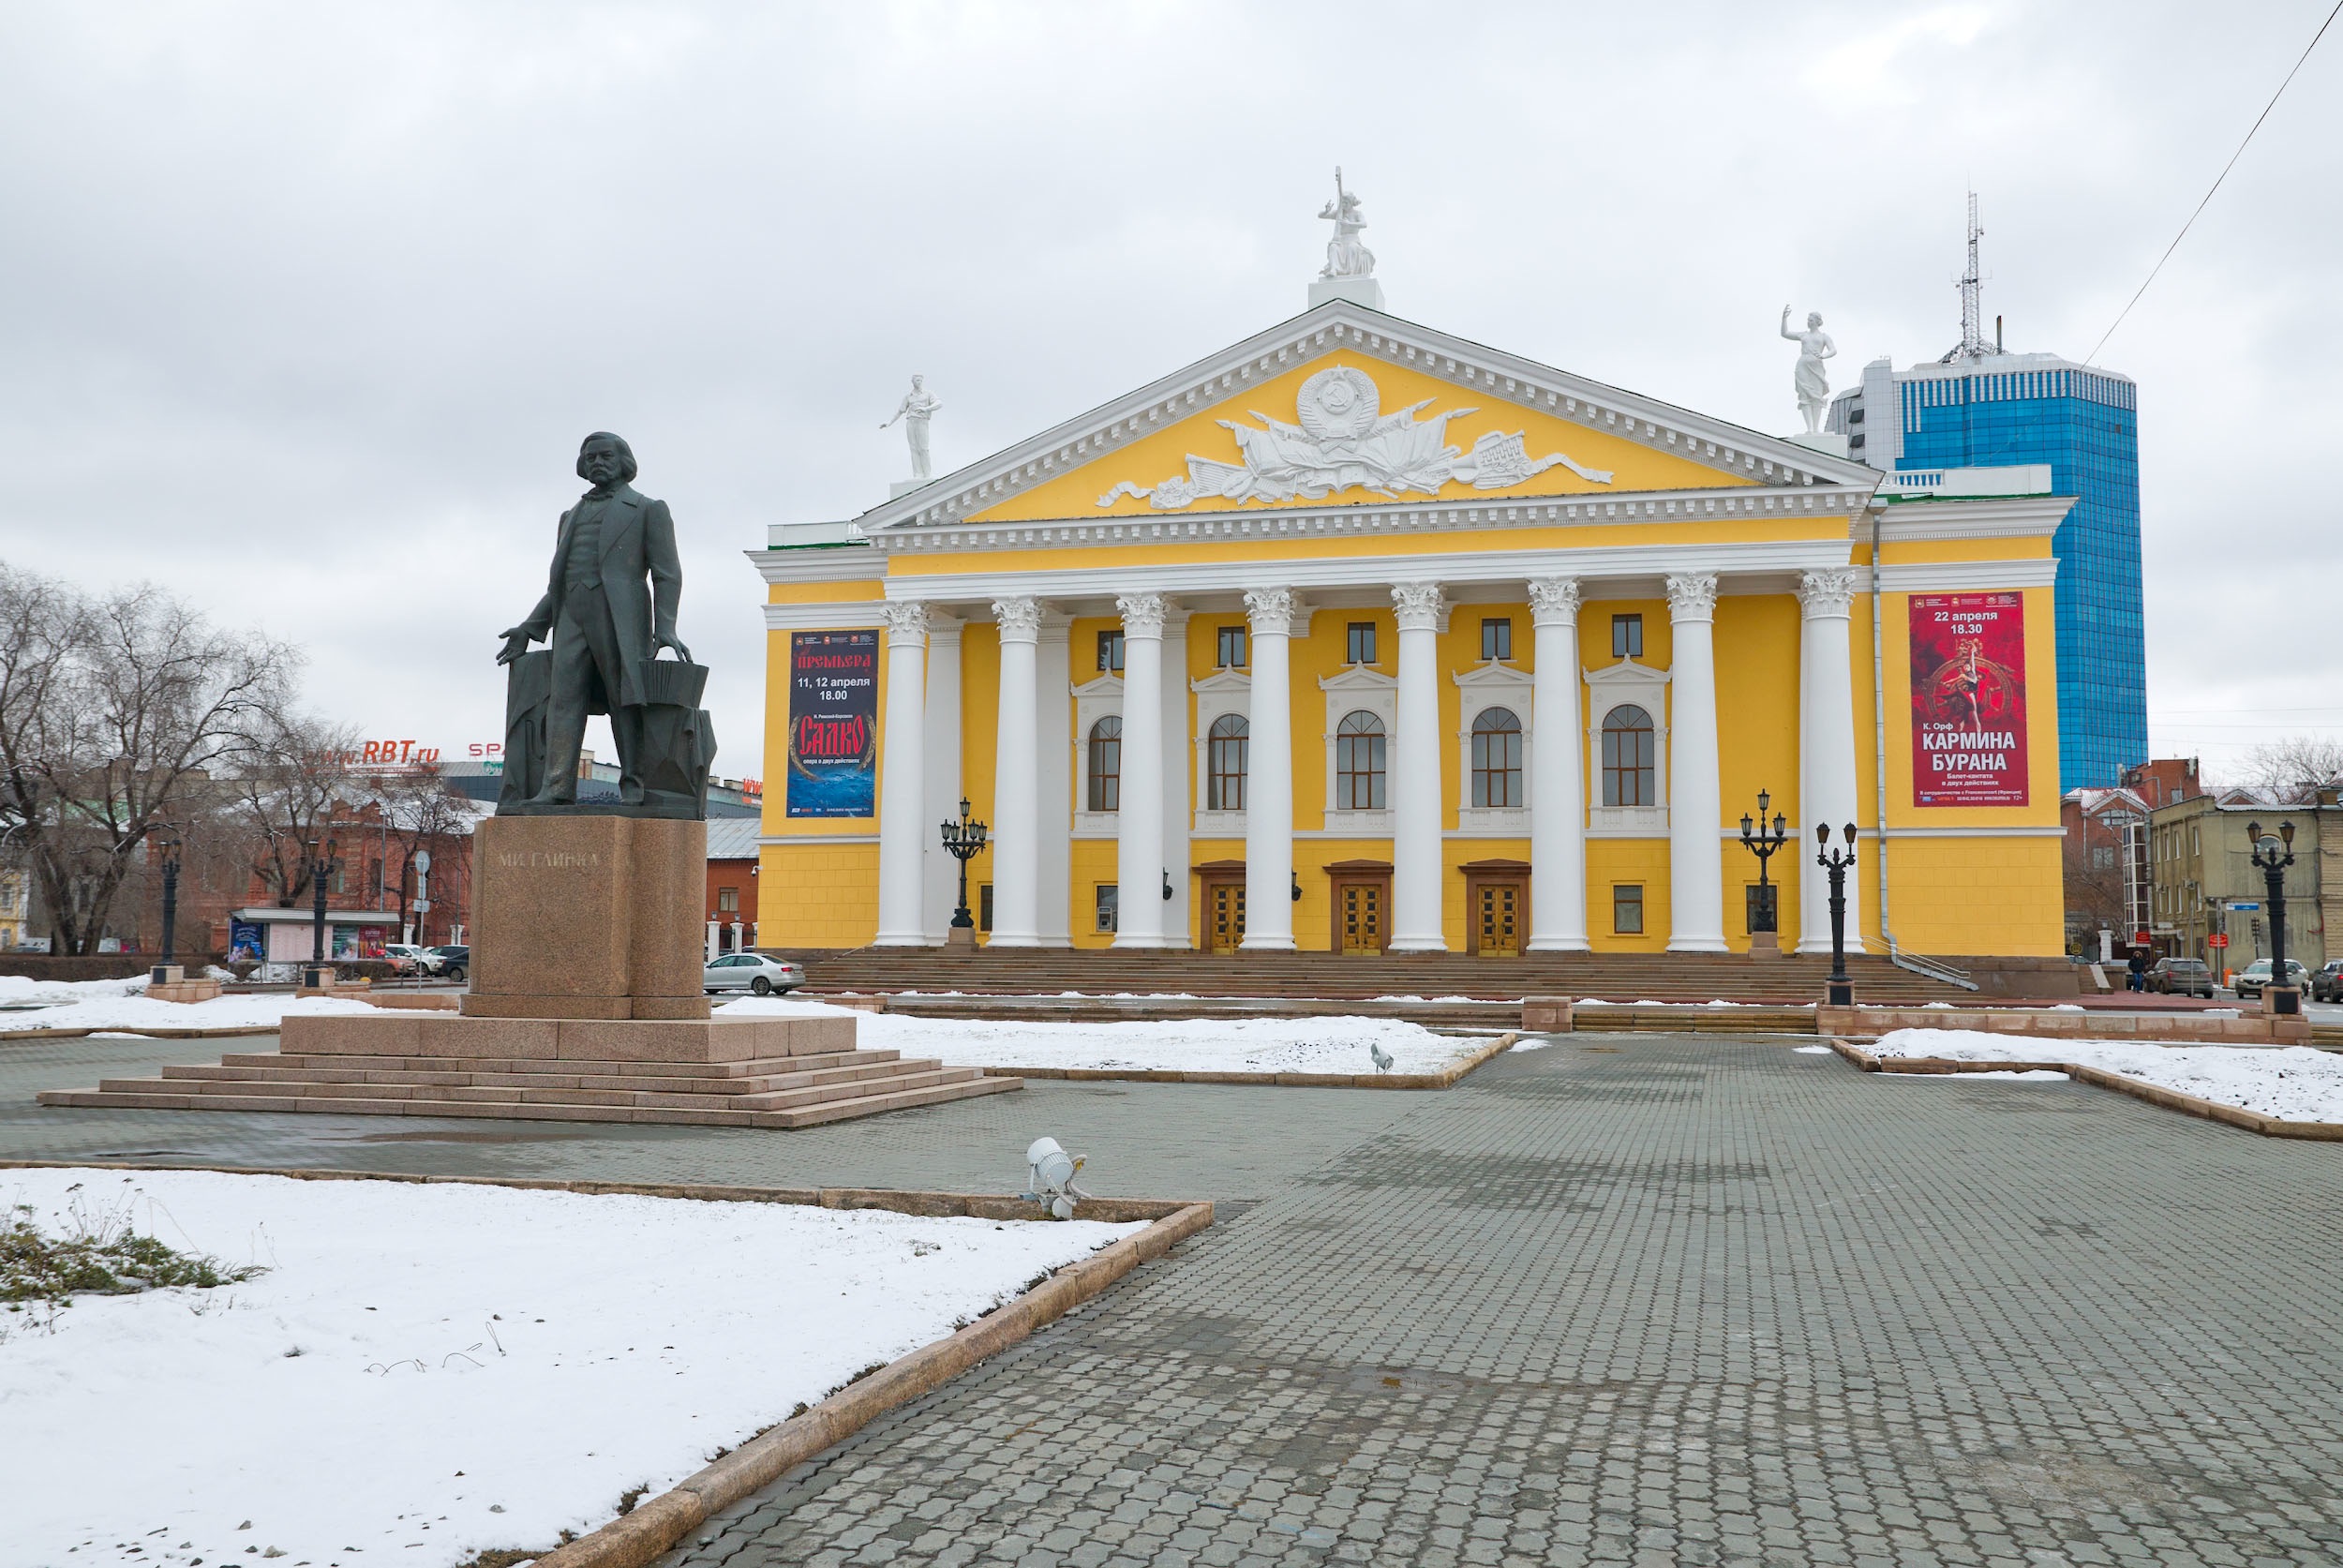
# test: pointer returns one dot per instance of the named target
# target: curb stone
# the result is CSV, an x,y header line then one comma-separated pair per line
x,y
2155,1094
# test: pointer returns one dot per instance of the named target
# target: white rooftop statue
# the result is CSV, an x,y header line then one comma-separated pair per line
x,y
1812,381
918,407
1349,270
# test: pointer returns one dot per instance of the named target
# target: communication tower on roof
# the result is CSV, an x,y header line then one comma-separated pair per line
x,y
1972,283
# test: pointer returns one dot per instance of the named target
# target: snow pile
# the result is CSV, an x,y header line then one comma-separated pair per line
x,y
2295,1084
1331,1045
450,1369
141,1012
18,991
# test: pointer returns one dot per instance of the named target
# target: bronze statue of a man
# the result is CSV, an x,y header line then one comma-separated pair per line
x,y
605,623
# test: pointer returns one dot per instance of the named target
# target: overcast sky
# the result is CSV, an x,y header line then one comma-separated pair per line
x,y
304,308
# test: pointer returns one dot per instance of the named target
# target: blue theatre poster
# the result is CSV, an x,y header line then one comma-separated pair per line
x,y
833,724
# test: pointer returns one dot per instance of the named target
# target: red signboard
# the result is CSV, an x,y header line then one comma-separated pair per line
x,y
1968,700
2218,940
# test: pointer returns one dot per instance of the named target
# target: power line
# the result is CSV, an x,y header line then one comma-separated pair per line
x,y
2092,357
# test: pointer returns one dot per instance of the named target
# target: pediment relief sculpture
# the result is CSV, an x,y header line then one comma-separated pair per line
x,y
1344,441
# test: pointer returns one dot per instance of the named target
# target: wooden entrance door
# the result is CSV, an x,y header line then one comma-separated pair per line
x,y
1362,905
1496,907
1223,905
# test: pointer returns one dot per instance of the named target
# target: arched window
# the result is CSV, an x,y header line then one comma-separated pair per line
x,y
1496,758
1359,763
1628,752
1224,764
1106,764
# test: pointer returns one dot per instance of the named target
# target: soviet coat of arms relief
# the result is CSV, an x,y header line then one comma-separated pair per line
x,y
1346,442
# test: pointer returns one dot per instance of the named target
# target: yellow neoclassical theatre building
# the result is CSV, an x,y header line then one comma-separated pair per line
x,y
1359,636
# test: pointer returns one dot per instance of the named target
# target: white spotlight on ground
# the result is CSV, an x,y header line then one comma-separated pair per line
x,y
1382,1058
1049,1177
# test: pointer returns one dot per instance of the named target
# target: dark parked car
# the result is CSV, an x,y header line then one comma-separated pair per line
x,y
2327,984
2257,974
454,962
2180,977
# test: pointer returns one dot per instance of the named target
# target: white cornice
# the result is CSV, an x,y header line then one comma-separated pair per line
x,y
1959,577
1749,558
1341,325
819,563
1997,517
1397,517
825,614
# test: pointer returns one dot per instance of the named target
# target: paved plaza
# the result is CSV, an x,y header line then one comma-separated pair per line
x,y
1626,1299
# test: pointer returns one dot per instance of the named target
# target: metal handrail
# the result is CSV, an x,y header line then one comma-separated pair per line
x,y
1935,969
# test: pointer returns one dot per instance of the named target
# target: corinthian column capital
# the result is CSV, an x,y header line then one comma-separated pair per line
x,y
1019,618
906,622
1270,611
1141,613
1553,601
1826,593
1693,596
1420,605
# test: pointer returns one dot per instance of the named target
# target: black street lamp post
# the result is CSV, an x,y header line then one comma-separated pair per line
x,y
1764,919
319,975
964,840
2274,856
1836,863
169,846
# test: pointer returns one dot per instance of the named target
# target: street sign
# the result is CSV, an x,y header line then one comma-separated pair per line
x,y
2218,940
2241,906
421,905
422,860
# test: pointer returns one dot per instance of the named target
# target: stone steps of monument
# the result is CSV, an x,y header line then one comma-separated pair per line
x,y
130,1096
774,1093
802,1090
574,1077
1614,977
559,1068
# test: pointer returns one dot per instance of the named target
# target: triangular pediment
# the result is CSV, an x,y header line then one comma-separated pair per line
x,y
1348,406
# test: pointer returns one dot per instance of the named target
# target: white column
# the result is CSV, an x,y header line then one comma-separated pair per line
x,y
1696,852
1054,674
1016,782
1827,789
1178,770
1418,922
941,894
1269,774
903,779
1557,778
1138,815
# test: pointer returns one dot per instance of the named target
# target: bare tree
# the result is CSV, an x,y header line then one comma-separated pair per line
x,y
295,778
114,712
2294,769
419,809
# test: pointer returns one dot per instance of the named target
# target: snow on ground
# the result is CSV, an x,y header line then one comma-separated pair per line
x,y
16,991
1146,1045
261,1011
2295,1084
448,1369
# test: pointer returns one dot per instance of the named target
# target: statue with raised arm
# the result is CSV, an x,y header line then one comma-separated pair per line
x,y
1813,383
918,407
608,608
1345,256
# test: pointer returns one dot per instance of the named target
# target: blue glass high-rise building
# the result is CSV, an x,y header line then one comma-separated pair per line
x,y
1981,408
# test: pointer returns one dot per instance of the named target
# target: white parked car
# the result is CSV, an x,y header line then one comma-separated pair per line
x,y
406,958
754,972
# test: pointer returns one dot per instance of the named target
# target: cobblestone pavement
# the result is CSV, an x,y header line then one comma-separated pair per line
x,y
1622,1300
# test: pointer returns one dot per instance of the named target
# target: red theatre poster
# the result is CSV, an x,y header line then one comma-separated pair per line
x,y
1968,700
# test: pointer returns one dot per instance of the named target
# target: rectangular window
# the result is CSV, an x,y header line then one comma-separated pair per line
x,y
984,906
1362,640
1627,908
1232,653
1109,653
1107,902
727,901
1627,637
1497,637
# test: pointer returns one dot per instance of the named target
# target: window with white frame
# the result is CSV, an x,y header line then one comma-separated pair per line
x,y
1224,763
1629,757
1103,769
1497,760
1359,778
